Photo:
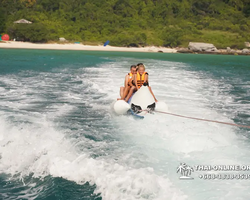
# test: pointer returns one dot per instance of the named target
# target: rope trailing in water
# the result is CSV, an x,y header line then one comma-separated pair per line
x,y
195,118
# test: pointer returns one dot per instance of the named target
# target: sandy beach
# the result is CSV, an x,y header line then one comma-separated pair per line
x,y
67,46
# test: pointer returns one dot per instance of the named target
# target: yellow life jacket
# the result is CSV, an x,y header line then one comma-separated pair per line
x,y
140,79
130,80
130,75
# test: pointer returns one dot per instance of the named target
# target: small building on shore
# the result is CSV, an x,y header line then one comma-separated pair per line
x,y
22,21
62,39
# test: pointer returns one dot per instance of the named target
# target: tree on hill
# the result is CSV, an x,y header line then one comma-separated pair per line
x,y
132,22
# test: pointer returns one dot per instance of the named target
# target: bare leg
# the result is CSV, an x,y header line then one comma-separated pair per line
x,y
152,93
121,91
130,93
127,88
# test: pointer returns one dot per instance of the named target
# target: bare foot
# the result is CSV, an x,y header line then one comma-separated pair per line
x,y
120,99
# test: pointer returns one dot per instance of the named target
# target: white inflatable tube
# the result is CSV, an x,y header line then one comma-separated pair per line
x,y
121,107
161,106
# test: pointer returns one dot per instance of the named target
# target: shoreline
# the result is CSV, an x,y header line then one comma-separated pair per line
x,y
81,47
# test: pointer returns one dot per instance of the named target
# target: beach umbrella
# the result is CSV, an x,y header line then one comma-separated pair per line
x,y
5,37
106,43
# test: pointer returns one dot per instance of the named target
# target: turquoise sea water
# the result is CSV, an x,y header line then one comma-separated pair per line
x,y
60,140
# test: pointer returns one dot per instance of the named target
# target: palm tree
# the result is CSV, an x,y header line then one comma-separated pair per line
x,y
181,169
189,170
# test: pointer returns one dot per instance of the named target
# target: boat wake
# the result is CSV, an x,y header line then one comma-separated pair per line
x,y
59,123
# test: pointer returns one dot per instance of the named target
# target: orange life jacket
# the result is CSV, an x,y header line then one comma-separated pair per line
x,y
140,79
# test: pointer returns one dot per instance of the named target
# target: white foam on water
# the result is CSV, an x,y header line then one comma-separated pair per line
x,y
30,144
142,163
44,151
166,140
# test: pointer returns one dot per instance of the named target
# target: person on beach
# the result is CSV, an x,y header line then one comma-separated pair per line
x,y
140,79
129,83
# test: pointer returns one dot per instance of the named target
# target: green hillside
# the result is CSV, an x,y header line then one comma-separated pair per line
x,y
130,22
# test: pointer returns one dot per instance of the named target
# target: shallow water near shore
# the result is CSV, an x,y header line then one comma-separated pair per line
x,y
60,140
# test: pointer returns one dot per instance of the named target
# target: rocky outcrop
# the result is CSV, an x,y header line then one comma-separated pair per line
x,y
183,50
245,51
198,47
206,48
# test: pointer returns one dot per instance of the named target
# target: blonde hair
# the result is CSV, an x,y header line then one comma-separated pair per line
x,y
141,66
